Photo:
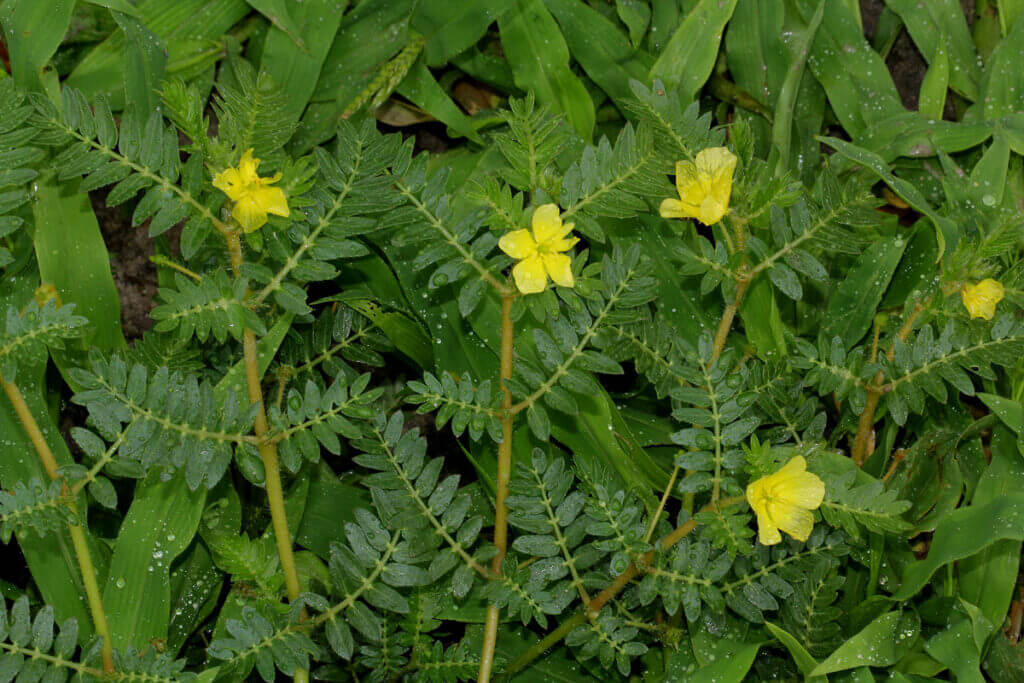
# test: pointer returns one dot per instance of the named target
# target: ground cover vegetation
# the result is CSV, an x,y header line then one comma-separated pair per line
x,y
517,341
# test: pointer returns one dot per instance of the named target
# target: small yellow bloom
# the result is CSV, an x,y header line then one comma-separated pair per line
x,y
45,293
704,187
980,299
539,254
784,500
252,197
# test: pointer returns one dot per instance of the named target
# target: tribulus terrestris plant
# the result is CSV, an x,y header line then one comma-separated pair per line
x,y
680,404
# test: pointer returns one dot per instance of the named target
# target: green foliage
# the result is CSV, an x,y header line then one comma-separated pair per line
x,y
569,485
164,420
18,156
27,335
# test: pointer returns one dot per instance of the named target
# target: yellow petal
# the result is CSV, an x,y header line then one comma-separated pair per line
x,y
530,275
691,186
564,244
247,166
712,209
716,161
271,200
795,521
803,490
672,208
767,532
230,183
547,224
249,214
518,244
980,299
559,267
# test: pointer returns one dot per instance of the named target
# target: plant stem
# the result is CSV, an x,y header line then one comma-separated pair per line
x,y
742,282
602,598
725,324
78,540
504,473
661,506
860,453
268,454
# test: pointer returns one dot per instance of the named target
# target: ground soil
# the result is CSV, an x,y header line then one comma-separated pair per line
x,y
134,275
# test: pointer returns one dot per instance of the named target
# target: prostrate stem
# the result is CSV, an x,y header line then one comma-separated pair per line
x,y
504,473
78,540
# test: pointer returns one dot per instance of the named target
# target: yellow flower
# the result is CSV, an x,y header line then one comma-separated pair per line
x,y
252,197
784,500
980,299
704,187
45,293
539,254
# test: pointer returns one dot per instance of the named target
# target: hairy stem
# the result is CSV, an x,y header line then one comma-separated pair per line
x,y
268,454
78,540
504,473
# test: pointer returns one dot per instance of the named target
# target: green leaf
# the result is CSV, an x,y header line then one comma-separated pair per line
x,y
404,332
854,76
1009,411
234,379
965,532
32,33
636,15
939,28
787,107
874,645
122,6
988,578
451,27
353,61
420,87
960,644
854,302
145,59
988,177
539,58
1009,11
329,506
103,69
293,56
762,321
73,258
280,15
1001,85
687,60
600,47
731,669
160,524
803,659
931,103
